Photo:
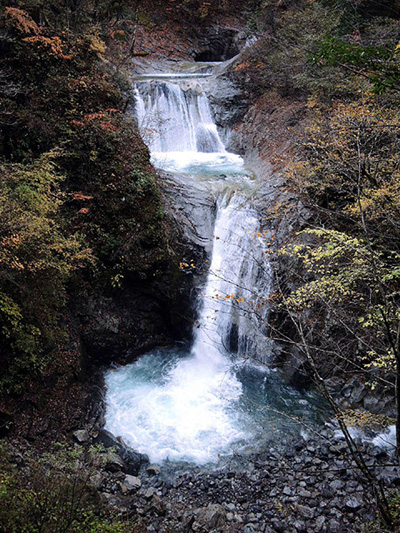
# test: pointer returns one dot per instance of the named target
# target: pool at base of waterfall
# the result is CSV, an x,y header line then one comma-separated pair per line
x,y
172,407
211,164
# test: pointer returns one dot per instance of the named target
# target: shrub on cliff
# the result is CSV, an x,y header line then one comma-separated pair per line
x,y
53,492
62,94
38,255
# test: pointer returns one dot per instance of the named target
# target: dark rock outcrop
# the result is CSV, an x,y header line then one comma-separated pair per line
x,y
126,459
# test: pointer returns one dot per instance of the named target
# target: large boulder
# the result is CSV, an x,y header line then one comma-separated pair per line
x,y
132,460
211,517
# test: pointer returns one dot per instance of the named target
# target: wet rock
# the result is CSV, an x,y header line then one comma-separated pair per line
x,y
319,523
306,512
299,526
153,470
132,483
158,506
378,453
278,526
304,493
372,404
336,484
335,527
219,44
149,493
96,480
353,504
357,393
390,475
81,436
212,517
114,463
131,459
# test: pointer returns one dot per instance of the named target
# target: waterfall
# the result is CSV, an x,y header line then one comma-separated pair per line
x,y
190,407
185,138
232,319
176,117
194,405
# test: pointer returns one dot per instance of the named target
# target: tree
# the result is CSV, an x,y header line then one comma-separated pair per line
x,y
37,258
351,177
342,294
379,64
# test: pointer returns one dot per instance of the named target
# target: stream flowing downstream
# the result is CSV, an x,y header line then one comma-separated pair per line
x,y
218,396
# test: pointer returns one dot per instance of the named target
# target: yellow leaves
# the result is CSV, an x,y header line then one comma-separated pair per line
x,y
364,419
97,45
31,239
186,266
338,264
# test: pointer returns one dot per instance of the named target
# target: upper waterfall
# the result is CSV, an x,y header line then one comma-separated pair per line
x,y
176,123
176,117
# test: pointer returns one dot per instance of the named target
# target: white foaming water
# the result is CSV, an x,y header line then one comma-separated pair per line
x,y
171,76
210,163
386,439
188,415
176,117
239,274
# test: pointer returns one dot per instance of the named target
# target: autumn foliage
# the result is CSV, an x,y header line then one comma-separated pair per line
x,y
79,203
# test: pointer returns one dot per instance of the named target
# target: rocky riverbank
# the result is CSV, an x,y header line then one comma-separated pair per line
x,y
309,484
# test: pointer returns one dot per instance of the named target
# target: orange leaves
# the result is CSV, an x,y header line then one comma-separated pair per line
x,y
102,117
77,123
80,197
21,21
242,66
89,117
106,126
52,45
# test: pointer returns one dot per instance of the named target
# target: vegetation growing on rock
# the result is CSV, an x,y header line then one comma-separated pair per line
x,y
80,206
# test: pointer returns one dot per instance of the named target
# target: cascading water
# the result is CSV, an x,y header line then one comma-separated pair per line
x,y
176,122
197,405
176,117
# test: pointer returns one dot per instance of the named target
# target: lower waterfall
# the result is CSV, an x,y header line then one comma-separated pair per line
x,y
188,407
217,397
